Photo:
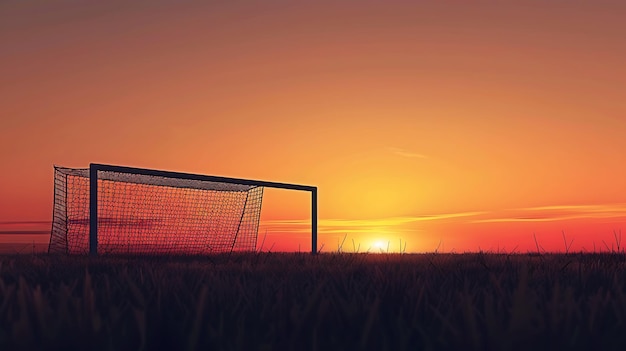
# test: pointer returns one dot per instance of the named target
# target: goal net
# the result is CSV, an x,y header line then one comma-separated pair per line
x,y
152,214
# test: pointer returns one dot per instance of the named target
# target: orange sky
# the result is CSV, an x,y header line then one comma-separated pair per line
x,y
473,125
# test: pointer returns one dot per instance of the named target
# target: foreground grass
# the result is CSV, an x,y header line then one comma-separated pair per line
x,y
324,302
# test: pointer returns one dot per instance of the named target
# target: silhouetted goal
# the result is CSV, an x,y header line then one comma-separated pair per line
x,y
124,210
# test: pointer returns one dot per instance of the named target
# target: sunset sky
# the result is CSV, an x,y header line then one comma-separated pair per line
x,y
453,124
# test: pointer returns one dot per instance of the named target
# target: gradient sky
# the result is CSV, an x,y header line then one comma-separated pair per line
x,y
470,125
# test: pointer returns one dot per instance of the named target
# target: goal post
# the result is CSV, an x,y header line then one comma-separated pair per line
x,y
131,210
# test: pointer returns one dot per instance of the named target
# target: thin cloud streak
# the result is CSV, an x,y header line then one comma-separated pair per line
x,y
23,232
405,153
341,231
560,213
361,226
618,207
391,221
527,214
25,222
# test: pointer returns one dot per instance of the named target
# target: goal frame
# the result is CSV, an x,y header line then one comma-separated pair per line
x,y
94,168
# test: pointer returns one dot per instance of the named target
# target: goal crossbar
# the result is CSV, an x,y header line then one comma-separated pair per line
x,y
94,168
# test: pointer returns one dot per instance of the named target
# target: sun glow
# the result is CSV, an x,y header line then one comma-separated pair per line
x,y
379,245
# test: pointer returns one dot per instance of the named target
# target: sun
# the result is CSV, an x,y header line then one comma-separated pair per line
x,y
379,245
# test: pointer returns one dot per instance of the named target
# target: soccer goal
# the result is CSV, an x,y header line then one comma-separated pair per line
x,y
125,210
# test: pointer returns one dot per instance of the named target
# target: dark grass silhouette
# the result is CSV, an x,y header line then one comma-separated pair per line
x,y
264,301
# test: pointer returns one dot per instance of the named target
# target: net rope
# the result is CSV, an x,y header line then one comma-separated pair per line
x,y
145,214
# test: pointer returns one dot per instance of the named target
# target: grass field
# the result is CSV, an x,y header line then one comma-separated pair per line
x,y
272,301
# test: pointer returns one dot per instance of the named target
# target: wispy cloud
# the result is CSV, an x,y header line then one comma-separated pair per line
x,y
24,222
24,232
405,153
36,227
558,213
617,207
523,219
361,225
378,221
24,227
525,214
